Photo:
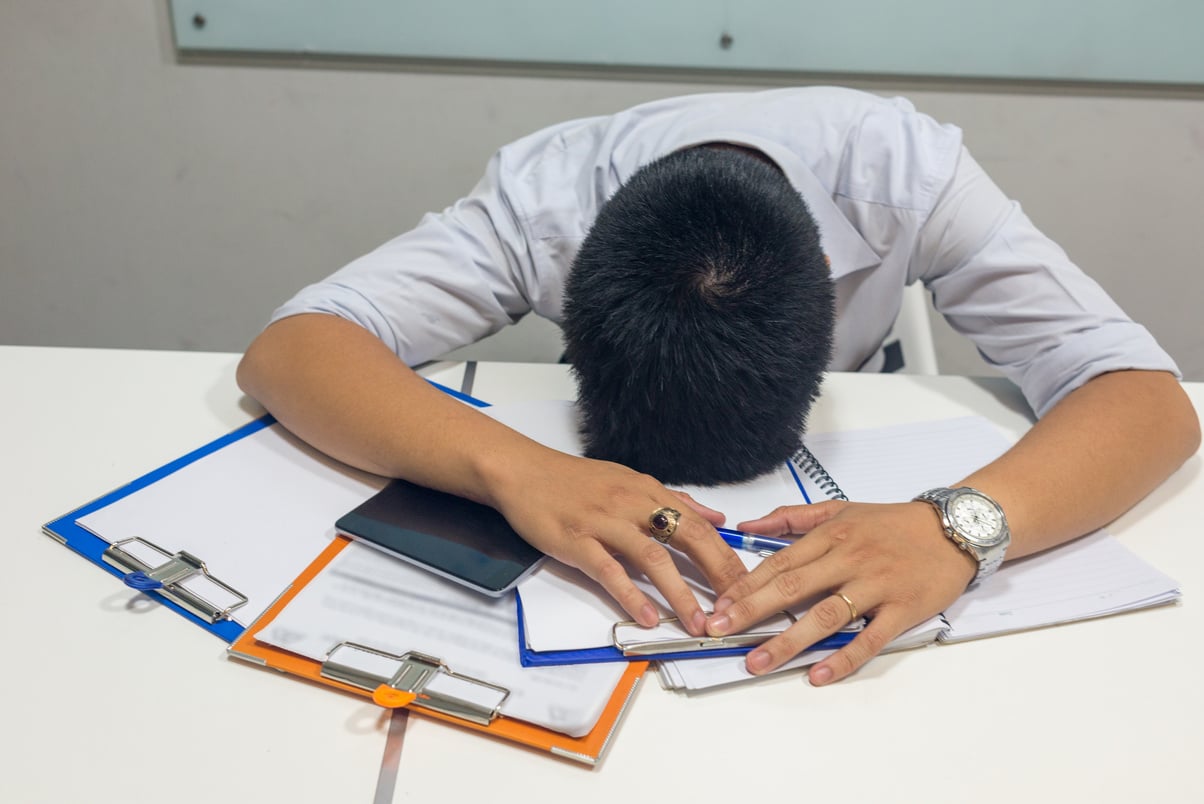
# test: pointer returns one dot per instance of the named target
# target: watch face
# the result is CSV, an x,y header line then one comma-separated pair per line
x,y
976,519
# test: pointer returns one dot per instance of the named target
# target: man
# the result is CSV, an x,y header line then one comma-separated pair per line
x,y
685,247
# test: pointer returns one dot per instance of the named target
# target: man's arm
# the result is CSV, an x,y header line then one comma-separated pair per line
x,y
1094,455
339,388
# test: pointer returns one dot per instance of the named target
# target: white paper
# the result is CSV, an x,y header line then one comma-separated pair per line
x,y
367,597
700,674
1090,577
256,511
895,463
553,423
563,609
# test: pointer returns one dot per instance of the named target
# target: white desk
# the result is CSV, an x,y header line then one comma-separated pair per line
x,y
106,697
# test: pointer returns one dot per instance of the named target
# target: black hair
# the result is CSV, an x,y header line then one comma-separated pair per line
x,y
698,319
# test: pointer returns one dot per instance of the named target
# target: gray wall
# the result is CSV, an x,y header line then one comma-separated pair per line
x,y
150,203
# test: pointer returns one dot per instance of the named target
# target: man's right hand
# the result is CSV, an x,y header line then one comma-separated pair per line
x,y
584,513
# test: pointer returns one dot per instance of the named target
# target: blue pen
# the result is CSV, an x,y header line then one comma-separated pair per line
x,y
751,541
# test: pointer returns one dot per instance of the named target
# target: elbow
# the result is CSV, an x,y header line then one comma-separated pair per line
x,y
248,370
1192,436
1182,423
244,374
253,371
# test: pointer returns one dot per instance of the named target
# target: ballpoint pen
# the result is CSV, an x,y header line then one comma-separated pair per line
x,y
752,542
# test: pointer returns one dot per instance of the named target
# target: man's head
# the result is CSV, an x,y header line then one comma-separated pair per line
x,y
698,319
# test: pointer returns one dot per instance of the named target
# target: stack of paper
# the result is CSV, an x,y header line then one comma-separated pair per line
x,y
258,508
255,510
1091,577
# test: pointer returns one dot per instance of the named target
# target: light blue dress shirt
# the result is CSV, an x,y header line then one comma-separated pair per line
x,y
896,196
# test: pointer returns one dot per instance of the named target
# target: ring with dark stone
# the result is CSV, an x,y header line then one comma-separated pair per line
x,y
663,524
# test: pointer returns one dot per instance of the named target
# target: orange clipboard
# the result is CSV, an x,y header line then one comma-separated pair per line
x,y
415,667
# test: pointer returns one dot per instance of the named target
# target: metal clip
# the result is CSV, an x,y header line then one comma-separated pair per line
x,y
668,636
144,568
426,678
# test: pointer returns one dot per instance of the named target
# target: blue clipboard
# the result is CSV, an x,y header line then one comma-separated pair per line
x,y
131,565
65,529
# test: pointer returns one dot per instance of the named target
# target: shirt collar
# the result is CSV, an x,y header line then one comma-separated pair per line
x,y
844,245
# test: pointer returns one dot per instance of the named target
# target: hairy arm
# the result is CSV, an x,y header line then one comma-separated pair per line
x,y
1099,451
339,388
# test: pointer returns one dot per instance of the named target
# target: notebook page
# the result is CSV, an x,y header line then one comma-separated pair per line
x,y
387,604
1090,577
701,674
895,463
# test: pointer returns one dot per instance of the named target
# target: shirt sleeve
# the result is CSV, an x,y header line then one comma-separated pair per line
x,y
457,277
1031,312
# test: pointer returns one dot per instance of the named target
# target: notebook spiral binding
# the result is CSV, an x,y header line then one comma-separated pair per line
x,y
810,466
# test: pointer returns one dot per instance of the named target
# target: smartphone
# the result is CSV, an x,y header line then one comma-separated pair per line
x,y
461,540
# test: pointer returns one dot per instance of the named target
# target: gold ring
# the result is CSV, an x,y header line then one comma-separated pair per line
x,y
850,604
663,524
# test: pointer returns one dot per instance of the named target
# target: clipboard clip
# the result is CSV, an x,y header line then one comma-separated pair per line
x,y
414,678
180,577
668,636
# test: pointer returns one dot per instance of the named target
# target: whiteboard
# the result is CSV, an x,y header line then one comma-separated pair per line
x,y
1144,41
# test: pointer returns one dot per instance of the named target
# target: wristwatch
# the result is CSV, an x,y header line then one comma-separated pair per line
x,y
974,522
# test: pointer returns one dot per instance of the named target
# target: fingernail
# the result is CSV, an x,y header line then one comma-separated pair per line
x,y
648,616
717,626
722,604
700,622
821,675
758,660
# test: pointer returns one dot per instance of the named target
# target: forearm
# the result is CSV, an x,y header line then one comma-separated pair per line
x,y
339,388
1099,451
1103,448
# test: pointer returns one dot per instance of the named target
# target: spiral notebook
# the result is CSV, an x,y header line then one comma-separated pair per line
x,y
567,618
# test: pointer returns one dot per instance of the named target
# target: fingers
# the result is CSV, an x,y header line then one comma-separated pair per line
x,y
880,561
600,565
872,640
587,512
657,564
793,519
828,616
868,643
716,518
779,582
593,554
706,548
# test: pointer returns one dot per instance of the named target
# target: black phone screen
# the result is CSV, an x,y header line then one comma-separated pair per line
x,y
461,540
